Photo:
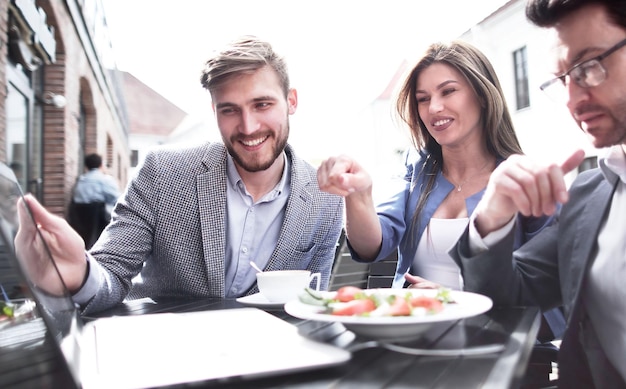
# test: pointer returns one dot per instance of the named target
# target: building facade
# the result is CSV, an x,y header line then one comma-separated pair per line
x,y
521,55
59,100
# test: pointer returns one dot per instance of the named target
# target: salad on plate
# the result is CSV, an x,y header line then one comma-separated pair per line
x,y
387,313
13,311
354,301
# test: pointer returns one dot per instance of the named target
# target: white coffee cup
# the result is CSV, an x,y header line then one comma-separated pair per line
x,y
280,286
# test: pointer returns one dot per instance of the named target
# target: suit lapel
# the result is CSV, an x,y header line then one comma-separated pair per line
x,y
211,190
298,210
587,229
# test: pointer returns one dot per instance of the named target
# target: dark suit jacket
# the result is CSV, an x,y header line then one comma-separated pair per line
x,y
550,270
170,225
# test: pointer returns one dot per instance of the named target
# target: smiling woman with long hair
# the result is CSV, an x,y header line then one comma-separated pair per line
x,y
453,105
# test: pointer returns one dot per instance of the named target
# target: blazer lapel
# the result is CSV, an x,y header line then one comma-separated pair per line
x,y
297,211
211,190
587,229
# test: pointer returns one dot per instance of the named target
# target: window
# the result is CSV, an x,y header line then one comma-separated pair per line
x,y
588,163
17,105
521,78
110,153
22,139
134,158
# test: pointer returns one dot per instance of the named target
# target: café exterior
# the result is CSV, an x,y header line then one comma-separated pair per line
x,y
59,100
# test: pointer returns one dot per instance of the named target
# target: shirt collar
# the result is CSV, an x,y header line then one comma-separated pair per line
x,y
613,164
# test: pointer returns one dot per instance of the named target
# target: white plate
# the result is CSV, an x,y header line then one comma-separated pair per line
x,y
259,301
396,327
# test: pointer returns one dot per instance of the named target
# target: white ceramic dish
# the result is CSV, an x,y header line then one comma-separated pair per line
x,y
396,327
259,301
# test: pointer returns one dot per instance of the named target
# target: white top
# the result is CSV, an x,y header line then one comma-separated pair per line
x,y
432,260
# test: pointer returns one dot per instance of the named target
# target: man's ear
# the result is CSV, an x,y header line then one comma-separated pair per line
x,y
292,101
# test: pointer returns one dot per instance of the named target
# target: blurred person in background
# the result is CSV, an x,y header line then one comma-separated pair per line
x,y
94,196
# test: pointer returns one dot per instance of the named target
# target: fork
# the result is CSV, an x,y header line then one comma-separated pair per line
x,y
466,351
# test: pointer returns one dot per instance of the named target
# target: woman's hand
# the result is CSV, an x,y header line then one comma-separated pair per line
x,y
420,283
343,176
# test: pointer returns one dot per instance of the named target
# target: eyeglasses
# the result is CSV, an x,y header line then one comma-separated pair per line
x,y
585,74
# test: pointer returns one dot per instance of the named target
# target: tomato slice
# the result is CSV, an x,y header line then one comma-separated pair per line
x,y
430,303
355,307
400,307
347,293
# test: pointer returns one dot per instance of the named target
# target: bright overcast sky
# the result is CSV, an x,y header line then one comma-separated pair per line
x,y
341,53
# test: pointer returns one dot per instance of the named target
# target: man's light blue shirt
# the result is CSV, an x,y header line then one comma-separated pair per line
x,y
252,229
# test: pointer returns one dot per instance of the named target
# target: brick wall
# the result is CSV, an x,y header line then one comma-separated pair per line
x,y
56,128
73,76
79,79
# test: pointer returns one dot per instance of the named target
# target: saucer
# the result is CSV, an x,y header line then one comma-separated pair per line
x,y
259,301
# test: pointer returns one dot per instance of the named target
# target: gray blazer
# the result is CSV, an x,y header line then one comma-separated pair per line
x,y
550,270
170,226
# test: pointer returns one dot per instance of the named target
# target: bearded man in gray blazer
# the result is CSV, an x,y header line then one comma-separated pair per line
x,y
579,262
191,220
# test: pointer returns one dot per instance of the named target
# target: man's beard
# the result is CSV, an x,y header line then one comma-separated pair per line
x,y
256,165
605,135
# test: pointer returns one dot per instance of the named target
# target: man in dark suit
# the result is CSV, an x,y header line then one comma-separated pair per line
x,y
580,262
